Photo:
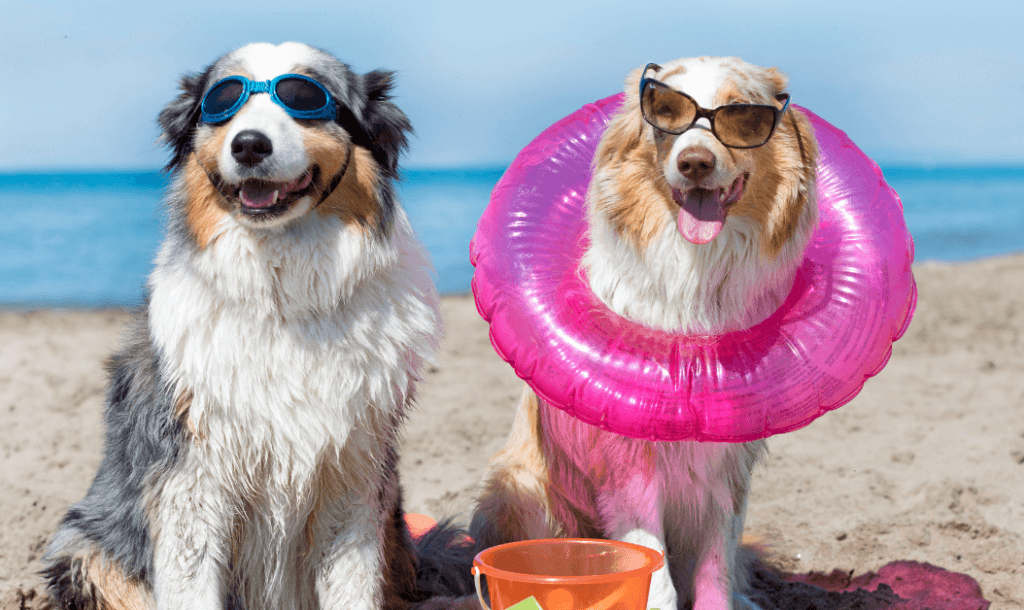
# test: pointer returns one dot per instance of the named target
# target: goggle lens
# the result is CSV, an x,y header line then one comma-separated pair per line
x,y
222,97
301,95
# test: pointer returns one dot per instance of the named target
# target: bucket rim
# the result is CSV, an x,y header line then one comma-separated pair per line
x,y
657,561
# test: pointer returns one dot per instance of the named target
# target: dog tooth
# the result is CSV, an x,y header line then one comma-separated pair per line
x,y
276,195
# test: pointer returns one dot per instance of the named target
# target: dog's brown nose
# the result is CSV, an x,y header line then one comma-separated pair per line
x,y
696,163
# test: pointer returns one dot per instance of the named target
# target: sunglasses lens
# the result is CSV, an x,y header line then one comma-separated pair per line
x,y
300,94
744,125
667,109
222,97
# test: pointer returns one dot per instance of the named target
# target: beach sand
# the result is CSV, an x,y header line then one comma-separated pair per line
x,y
926,464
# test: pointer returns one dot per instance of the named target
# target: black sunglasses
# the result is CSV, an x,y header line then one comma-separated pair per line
x,y
735,125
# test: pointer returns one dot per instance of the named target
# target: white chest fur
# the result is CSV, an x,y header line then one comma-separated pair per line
x,y
288,341
677,286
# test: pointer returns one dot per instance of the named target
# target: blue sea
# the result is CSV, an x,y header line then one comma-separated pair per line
x,y
88,239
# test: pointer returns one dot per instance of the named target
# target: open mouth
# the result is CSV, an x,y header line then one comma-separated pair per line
x,y
267,198
702,211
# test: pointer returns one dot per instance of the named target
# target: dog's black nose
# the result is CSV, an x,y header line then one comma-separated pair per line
x,y
250,147
696,163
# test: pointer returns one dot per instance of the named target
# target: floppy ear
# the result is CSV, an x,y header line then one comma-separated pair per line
x,y
179,118
778,80
387,127
626,129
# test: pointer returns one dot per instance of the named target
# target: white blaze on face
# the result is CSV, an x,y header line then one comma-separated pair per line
x,y
701,81
289,160
702,210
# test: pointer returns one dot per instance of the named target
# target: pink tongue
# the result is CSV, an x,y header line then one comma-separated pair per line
x,y
701,215
258,196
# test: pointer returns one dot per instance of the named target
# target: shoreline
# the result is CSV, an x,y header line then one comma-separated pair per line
x,y
925,464
29,307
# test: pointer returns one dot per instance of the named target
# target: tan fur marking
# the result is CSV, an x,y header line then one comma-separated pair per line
x,y
517,476
117,591
355,199
773,201
672,72
524,442
629,186
182,411
759,87
205,206
729,93
107,584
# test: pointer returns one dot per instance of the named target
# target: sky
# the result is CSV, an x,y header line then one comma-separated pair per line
x,y
917,83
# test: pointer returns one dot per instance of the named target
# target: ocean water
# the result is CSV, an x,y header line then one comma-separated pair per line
x,y
88,239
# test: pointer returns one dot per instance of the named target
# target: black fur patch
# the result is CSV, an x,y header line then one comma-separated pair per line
x,y
178,120
445,558
67,588
387,126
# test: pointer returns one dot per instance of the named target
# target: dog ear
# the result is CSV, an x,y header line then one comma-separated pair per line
x,y
179,118
626,129
778,80
387,127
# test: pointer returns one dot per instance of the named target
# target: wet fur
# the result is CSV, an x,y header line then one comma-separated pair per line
x,y
253,413
559,477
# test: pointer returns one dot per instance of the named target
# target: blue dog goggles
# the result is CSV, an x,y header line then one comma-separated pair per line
x,y
300,96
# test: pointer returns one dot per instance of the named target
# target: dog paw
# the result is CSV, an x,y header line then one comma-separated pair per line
x,y
662,600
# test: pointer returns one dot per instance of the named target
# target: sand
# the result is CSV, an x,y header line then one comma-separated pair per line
x,y
926,464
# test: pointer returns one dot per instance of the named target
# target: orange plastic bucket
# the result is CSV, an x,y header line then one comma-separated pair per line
x,y
568,574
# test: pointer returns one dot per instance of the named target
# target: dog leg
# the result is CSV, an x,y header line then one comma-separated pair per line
x,y
740,567
711,583
191,529
662,594
631,511
352,550
717,579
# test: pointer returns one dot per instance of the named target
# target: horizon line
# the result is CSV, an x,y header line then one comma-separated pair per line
x,y
479,167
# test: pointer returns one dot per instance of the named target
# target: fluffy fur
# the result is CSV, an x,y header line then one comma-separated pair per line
x,y
558,476
253,413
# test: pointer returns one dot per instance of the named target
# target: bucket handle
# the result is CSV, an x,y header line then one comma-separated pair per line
x,y
479,594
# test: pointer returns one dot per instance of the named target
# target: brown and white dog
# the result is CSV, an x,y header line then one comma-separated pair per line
x,y
253,413
689,236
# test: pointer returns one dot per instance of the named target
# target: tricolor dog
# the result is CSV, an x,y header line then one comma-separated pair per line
x,y
253,412
701,205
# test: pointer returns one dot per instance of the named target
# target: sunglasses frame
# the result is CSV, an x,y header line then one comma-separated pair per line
x,y
327,112
703,113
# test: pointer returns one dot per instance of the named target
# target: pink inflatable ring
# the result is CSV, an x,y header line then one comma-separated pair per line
x,y
853,296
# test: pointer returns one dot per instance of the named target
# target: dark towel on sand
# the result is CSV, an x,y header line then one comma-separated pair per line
x,y
900,585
